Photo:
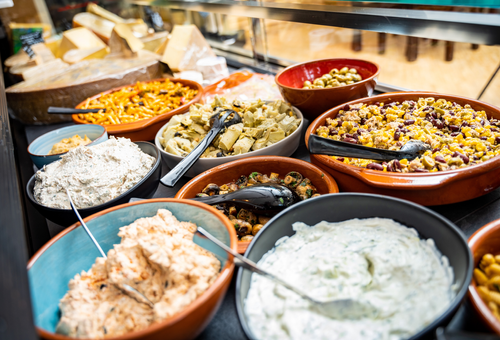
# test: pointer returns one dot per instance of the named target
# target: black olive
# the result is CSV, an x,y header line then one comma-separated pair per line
x,y
220,154
166,284
141,103
177,134
103,286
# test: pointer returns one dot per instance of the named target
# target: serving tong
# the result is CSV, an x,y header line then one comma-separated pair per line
x,y
218,123
326,146
70,111
337,309
132,292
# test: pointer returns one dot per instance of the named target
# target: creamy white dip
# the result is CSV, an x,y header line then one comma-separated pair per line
x,y
156,256
94,175
375,261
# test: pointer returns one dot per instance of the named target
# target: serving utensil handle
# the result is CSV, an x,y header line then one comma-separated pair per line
x,y
183,166
69,110
327,146
250,265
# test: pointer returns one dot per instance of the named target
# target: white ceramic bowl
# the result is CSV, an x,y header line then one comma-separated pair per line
x,y
285,147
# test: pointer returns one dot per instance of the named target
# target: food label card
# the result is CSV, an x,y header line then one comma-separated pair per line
x,y
30,39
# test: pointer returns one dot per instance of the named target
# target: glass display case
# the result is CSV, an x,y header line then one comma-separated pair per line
x,y
446,46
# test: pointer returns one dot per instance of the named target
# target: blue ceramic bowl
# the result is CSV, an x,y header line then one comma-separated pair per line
x,y
40,147
72,251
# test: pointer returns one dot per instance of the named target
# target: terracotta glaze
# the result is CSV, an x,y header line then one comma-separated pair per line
x,y
313,102
228,172
436,188
483,241
187,324
145,129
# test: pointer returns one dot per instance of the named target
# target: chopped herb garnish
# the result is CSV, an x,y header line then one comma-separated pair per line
x,y
236,226
309,192
322,175
293,184
303,184
253,174
281,200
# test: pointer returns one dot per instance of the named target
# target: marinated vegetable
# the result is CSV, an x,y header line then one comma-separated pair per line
x,y
459,135
141,101
263,124
335,78
68,144
246,223
487,278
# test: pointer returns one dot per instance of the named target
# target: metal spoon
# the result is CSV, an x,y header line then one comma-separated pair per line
x,y
264,199
218,123
337,309
134,293
70,111
326,146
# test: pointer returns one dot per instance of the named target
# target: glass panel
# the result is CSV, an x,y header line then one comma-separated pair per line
x,y
422,4
412,63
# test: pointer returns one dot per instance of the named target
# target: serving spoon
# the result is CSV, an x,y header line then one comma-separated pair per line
x,y
70,111
326,146
337,309
218,123
265,199
132,292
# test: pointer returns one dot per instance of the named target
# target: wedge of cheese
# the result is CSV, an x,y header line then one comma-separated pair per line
x,y
123,41
47,69
185,47
101,27
53,43
103,13
74,56
154,41
79,38
42,55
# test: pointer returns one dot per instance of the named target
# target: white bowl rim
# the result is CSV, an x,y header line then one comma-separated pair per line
x,y
233,157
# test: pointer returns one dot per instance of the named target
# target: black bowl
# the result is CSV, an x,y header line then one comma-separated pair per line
x,y
145,188
340,207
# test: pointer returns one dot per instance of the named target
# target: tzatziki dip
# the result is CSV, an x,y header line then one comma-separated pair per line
x,y
93,175
375,261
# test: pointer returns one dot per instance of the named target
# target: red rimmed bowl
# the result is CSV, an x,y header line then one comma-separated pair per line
x,y
313,102
435,188
483,241
144,129
71,251
228,172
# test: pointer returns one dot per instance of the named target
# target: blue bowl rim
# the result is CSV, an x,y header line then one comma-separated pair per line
x,y
457,300
226,272
153,169
64,128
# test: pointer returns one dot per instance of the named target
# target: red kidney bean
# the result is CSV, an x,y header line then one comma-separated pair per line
x,y
397,134
435,150
434,114
361,131
333,130
438,123
397,164
409,121
346,107
340,159
389,168
483,138
400,126
382,111
493,129
440,159
454,134
348,135
355,136
454,127
464,158
355,124
405,130
497,140
421,170
375,166
362,121
350,140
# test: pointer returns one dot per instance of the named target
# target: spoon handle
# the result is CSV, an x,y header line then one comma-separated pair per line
x,y
183,166
327,146
85,226
69,111
250,265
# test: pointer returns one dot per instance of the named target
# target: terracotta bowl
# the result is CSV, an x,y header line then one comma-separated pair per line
x,y
436,188
71,251
145,129
313,102
483,241
231,171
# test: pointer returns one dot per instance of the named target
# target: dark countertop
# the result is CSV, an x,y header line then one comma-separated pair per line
x,y
468,216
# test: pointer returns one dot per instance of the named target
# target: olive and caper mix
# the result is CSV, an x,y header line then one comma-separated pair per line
x,y
248,224
459,136
344,76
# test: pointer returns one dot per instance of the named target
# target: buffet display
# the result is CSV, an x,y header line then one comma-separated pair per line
x,y
400,269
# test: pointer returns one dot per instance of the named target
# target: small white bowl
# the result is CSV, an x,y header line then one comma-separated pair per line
x,y
285,147
40,147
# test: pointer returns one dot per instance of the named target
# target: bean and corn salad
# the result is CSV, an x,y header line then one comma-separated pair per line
x,y
487,278
248,224
458,135
137,102
335,78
